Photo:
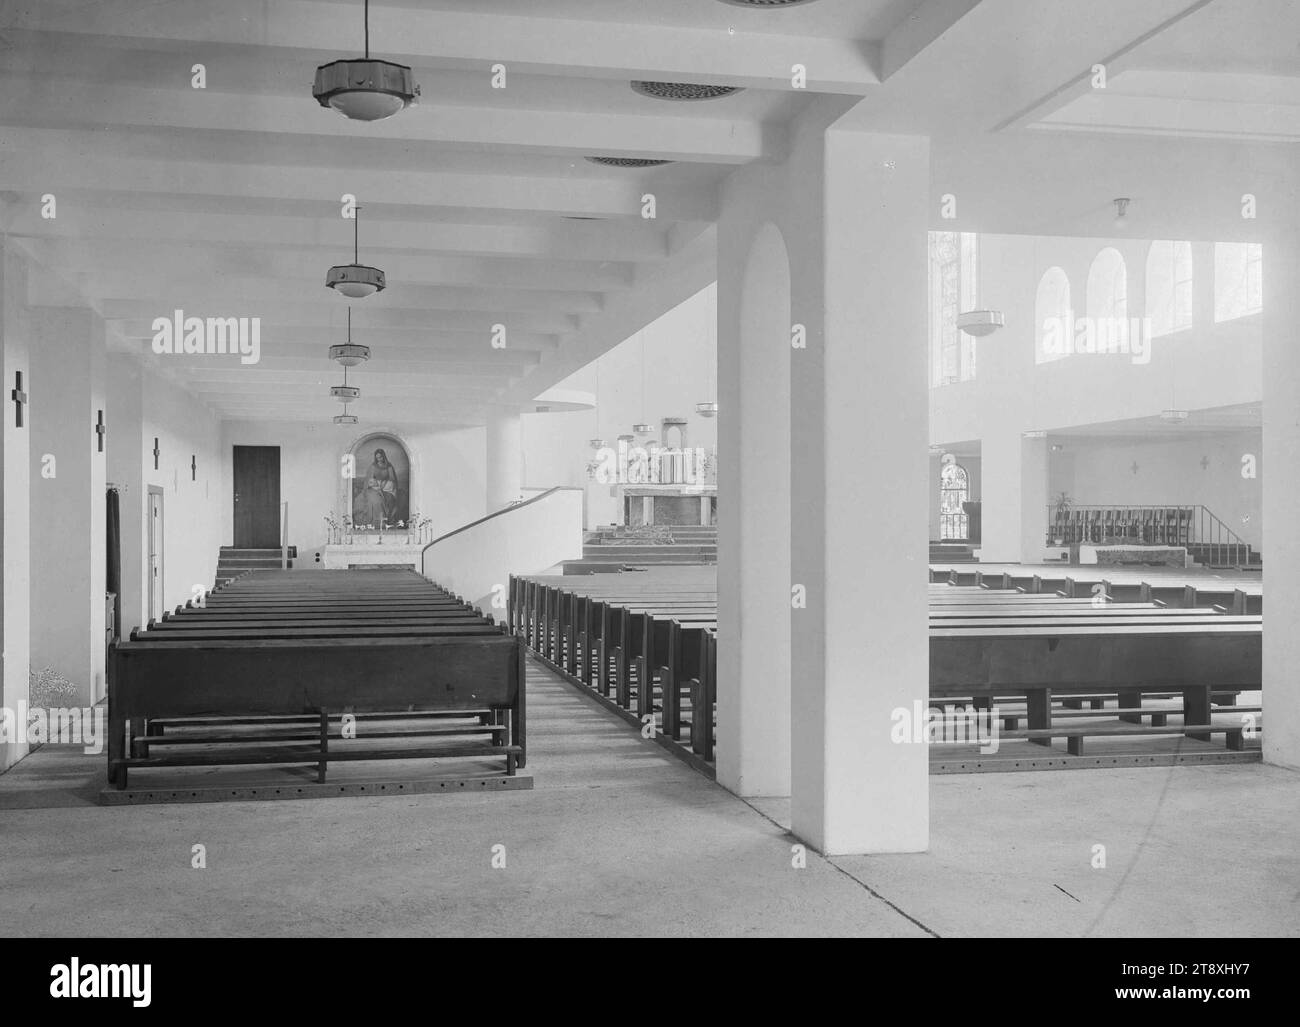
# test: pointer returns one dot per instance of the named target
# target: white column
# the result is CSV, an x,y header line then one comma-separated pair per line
x,y
1014,496
1033,500
753,750
1279,473
67,496
504,459
860,490
15,487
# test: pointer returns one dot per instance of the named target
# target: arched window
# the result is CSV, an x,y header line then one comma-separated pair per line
x,y
954,489
1053,319
1169,286
1238,279
1108,286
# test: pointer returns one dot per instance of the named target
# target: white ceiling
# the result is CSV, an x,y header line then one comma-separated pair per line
x,y
225,201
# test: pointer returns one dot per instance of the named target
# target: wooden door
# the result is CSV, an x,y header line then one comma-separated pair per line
x,y
155,565
257,497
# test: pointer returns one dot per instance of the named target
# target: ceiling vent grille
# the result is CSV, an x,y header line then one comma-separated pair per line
x,y
628,162
683,90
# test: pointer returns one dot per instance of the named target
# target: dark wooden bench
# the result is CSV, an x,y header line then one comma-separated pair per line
x,y
221,664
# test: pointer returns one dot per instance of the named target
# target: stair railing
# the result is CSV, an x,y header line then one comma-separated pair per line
x,y
1176,524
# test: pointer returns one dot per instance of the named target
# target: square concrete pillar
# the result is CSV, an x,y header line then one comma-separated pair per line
x,y
15,486
860,495
1279,473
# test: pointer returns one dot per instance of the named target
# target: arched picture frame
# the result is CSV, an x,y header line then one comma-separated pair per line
x,y
379,492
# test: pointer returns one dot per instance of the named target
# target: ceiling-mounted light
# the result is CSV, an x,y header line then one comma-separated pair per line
x,y
629,162
682,91
1173,416
345,393
643,429
707,409
355,280
980,322
350,353
345,417
1121,213
365,90
597,443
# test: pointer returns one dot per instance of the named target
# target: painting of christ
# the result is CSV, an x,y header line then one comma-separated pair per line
x,y
381,486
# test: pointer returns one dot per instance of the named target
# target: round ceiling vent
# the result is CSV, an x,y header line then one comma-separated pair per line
x,y
628,162
682,90
766,3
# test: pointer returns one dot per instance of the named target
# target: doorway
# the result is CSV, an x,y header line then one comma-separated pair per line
x,y
154,568
257,497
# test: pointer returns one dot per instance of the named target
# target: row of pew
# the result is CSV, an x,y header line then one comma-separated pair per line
x,y
651,647
287,667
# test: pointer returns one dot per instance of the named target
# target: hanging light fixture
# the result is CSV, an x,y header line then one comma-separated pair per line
x,y
365,90
356,280
350,353
345,393
641,427
345,417
709,408
597,443
1121,213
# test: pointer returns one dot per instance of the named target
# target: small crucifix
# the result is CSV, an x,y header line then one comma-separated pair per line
x,y
19,397
1134,468
155,453
1205,462
100,429
194,469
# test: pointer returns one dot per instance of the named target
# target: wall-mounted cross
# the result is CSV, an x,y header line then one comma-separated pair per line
x,y
1134,468
100,429
194,469
1205,462
19,397
155,453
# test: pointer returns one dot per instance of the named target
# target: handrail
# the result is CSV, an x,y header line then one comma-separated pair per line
x,y
1188,524
498,513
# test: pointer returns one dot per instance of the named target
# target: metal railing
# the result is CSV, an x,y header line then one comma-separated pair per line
x,y
1194,526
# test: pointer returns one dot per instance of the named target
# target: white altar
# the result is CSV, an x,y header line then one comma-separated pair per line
x,y
1118,553
368,551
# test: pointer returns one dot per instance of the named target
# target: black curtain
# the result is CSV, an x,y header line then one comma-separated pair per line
x,y
113,576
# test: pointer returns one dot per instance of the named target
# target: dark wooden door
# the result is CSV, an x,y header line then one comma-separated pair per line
x,y
257,497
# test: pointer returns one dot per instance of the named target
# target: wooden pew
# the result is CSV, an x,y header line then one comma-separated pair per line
x,y
239,661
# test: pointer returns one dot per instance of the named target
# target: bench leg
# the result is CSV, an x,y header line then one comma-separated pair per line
x,y
670,702
1130,701
1038,705
1072,704
116,752
324,746
1236,740
622,688
1098,704
1196,710
1074,745
645,688
1159,719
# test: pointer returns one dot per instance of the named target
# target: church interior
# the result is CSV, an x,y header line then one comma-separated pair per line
x,y
706,468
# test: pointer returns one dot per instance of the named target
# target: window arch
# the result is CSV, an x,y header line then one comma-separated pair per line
x,y
1238,279
1108,286
1169,286
954,490
1053,319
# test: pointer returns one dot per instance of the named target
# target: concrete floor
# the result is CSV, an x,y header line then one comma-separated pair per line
x,y
618,838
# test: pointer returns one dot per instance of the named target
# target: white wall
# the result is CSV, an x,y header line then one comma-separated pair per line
x,y
447,473
191,522
680,361
1171,472
526,539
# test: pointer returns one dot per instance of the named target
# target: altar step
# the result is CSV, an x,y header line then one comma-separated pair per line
x,y
232,562
952,552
